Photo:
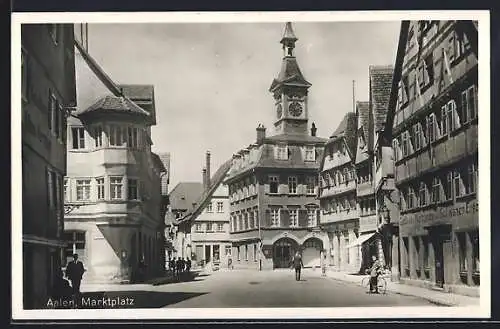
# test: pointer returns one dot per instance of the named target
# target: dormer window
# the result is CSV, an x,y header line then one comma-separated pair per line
x,y
310,153
282,152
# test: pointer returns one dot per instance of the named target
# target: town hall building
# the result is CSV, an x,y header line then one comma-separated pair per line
x,y
274,210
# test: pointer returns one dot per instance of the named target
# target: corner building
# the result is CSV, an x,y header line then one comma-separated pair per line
x,y
273,182
112,189
435,141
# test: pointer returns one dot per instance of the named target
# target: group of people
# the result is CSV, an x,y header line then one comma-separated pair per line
x,y
179,265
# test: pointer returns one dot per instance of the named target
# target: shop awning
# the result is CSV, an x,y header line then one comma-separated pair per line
x,y
360,240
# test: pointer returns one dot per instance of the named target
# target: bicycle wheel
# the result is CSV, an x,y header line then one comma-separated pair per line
x,y
382,285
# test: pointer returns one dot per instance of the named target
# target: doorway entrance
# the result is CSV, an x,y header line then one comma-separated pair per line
x,y
439,235
283,251
208,253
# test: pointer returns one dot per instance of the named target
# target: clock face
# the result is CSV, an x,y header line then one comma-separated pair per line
x,y
295,109
279,110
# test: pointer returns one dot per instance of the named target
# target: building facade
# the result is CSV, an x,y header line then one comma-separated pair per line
x,y
365,193
182,201
435,141
47,91
273,182
337,194
113,178
207,225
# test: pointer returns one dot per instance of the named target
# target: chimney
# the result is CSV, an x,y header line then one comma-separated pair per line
x,y
207,166
313,129
204,176
261,133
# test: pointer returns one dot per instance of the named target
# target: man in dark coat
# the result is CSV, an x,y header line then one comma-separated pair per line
x,y
297,264
74,272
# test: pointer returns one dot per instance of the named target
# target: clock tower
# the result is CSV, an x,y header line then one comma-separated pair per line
x,y
290,90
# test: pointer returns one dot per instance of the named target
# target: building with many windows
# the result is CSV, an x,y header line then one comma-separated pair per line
x,y
273,182
47,91
435,141
337,194
206,227
113,179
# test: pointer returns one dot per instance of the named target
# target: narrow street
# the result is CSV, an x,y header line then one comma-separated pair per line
x,y
249,288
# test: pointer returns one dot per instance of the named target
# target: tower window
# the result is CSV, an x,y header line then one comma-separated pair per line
x,y
282,152
292,185
273,184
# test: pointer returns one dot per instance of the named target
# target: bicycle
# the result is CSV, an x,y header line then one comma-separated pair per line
x,y
381,284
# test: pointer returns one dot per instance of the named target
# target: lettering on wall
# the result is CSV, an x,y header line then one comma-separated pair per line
x,y
447,212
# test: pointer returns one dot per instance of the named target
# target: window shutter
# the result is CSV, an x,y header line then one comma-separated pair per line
x,y
302,213
285,217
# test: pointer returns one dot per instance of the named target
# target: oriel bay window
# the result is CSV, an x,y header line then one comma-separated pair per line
x,y
82,189
115,135
98,134
115,187
100,188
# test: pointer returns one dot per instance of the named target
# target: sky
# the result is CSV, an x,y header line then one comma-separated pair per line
x,y
211,80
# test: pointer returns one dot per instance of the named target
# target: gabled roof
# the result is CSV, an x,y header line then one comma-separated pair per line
x,y
137,92
380,89
184,194
117,104
205,197
347,130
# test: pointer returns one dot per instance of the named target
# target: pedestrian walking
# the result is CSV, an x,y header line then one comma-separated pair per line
x,y
74,272
188,265
375,271
297,264
323,264
171,265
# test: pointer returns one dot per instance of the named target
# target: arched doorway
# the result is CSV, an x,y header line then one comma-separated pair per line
x,y
283,251
311,254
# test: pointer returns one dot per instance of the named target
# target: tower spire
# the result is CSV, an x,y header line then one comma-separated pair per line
x,y
288,40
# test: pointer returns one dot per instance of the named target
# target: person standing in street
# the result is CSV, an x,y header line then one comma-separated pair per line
x,y
374,273
74,272
297,264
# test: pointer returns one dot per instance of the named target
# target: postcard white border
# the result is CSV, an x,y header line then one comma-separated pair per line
x,y
482,311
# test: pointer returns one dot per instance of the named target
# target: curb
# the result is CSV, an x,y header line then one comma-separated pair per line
x,y
429,299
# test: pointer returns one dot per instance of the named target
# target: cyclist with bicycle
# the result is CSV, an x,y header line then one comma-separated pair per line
x,y
375,271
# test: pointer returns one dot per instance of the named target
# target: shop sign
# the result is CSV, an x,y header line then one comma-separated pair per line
x,y
441,213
